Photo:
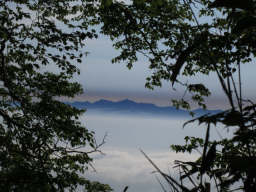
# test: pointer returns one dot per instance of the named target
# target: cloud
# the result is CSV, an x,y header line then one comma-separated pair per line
x,y
123,166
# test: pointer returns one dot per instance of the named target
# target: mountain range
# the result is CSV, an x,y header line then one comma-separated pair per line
x,y
133,108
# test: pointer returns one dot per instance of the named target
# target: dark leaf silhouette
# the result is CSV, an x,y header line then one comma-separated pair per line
x,y
209,159
125,189
247,4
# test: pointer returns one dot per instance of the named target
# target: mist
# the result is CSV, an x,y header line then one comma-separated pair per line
x,y
122,163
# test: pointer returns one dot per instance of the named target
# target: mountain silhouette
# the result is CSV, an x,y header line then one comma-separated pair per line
x,y
130,107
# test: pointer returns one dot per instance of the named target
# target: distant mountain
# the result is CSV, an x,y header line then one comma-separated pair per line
x,y
130,107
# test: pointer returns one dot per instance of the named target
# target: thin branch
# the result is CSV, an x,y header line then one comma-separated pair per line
x,y
216,184
224,87
188,4
240,87
165,176
204,151
162,186
236,92
218,132
228,81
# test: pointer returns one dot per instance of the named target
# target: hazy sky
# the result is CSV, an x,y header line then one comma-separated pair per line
x,y
123,164
102,79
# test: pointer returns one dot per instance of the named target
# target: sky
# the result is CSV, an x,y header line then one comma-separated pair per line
x,y
103,80
123,164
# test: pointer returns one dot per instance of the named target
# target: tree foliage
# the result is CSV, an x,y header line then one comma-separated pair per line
x,y
41,138
43,146
187,38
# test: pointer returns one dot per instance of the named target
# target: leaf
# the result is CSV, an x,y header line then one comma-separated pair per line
x,y
180,62
232,118
246,4
125,189
208,160
245,23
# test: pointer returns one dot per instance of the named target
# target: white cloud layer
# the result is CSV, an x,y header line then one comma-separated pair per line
x,y
122,167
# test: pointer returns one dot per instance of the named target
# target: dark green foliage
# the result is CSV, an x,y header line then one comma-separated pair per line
x,y
43,146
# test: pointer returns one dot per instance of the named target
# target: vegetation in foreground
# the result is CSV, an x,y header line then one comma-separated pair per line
x,y
41,138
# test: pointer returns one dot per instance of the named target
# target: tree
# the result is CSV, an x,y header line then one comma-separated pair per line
x,y
43,146
185,38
